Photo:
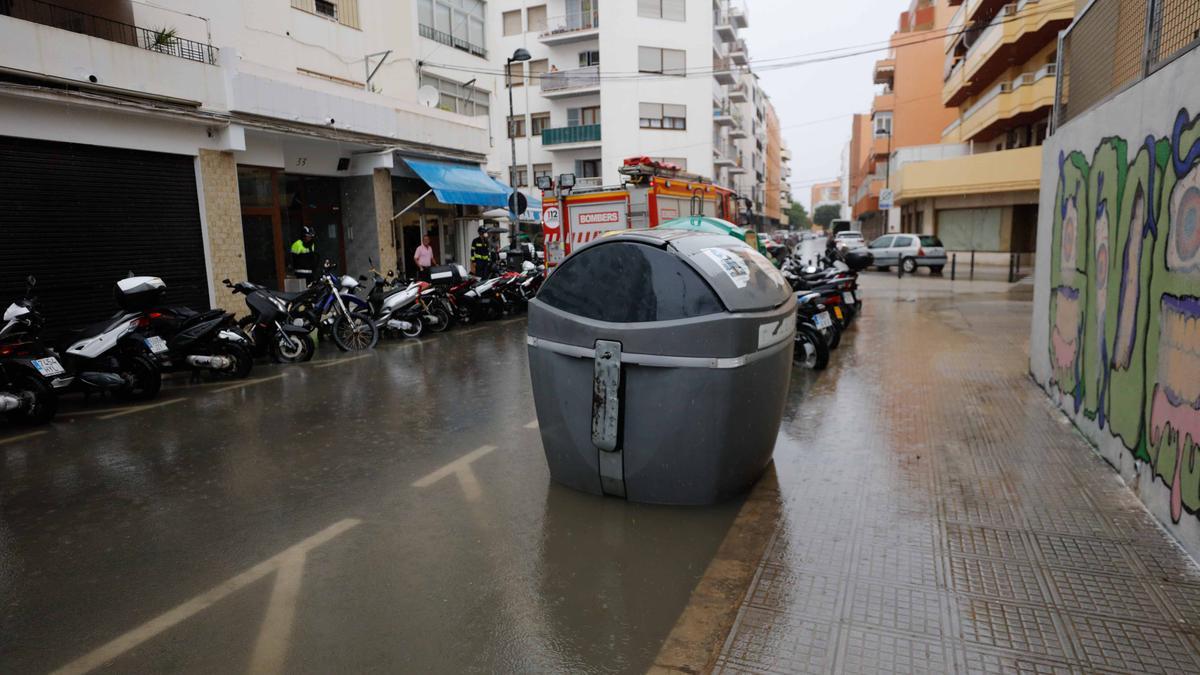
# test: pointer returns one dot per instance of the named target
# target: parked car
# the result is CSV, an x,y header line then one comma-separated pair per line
x,y
848,240
909,251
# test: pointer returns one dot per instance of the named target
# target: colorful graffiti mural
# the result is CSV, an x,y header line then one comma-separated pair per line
x,y
1124,316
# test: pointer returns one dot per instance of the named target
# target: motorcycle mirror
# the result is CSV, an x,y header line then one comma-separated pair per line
x,y
362,277
31,281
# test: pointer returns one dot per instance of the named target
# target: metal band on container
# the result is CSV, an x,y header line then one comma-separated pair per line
x,y
659,360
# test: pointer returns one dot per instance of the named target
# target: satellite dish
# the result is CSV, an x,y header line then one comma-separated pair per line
x,y
427,96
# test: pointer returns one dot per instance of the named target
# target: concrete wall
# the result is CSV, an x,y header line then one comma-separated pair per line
x,y
366,209
1114,338
222,212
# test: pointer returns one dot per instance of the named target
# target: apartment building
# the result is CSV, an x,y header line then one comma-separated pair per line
x,y
826,194
978,190
193,140
606,81
907,111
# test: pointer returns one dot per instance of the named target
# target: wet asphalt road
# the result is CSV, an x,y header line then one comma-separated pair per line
x,y
339,516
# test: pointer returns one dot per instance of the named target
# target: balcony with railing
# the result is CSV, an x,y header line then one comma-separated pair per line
x,y
458,42
724,71
738,53
724,154
1017,33
738,93
571,138
1028,98
574,82
738,130
885,70
160,41
885,101
723,114
574,27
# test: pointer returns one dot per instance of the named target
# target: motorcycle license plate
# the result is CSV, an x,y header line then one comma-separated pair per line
x,y
48,366
838,312
822,320
156,344
848,297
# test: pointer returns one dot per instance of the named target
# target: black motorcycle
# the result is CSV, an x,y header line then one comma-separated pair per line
x,y
184,339
27,369
270,326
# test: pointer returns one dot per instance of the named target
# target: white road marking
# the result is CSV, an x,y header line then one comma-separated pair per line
x,y
21,437
247,383
338,362
270,650
532,425
171,618
140,408
461,468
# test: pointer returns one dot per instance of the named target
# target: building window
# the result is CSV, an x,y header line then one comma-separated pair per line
x,y
662,116
456,98
540,170
662,9
512,22
536,16
344,12
583,116
665,61
589,58
326,8
458,23
587,168
516,126
538,122
516,74
883,124
518,176
537,71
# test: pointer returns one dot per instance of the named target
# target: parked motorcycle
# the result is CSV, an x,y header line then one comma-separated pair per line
x,y
184,339
330,306
407,307
815,332
27,369
270,325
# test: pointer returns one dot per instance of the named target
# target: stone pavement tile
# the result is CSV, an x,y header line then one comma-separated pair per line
x,y
1117,597
1025,629
805,594
1084,553
997,578
969,539
906,609
816,553
994,662
866,651
764,641
912,565
1133,646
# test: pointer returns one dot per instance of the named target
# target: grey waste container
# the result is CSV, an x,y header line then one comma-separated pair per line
x,y
660,360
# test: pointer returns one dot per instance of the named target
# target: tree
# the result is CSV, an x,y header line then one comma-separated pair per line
x,y
798,217
826,213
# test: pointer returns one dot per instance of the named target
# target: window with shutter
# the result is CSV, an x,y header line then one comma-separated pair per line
x,y
572,117
674,10
536,16
537,69
674,61
650,59
650,115
512,22
347,13
306,5
516,74
650,8
538,122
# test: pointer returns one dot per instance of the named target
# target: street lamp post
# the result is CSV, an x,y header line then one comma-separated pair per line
x,y
518,56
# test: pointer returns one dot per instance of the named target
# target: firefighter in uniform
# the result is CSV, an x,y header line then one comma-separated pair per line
x,y
304,255
481,254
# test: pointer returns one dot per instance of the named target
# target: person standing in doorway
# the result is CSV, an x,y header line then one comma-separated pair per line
x,y
304,255
424,258
481,254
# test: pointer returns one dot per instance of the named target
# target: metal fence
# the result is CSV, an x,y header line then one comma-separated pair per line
x,y
1114,44
161,41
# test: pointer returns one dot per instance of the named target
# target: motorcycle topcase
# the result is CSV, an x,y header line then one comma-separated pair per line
x,y
447,274
137,294
859,259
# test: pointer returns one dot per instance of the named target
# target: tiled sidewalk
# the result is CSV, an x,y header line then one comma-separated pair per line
x,y
941,516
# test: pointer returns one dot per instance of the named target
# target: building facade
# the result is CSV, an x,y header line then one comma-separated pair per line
x,y
978,189
194,140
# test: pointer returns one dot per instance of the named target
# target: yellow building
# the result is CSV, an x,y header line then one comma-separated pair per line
x,y
978,189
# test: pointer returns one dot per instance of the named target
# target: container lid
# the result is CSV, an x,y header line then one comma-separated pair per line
x,y
741,278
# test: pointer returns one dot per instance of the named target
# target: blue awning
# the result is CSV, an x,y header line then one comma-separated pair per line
x,y
461,183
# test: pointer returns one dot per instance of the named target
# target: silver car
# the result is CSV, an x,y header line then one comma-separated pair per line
x,y
909,251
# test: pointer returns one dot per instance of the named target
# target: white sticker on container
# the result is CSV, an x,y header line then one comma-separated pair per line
x,y
774,332
731,264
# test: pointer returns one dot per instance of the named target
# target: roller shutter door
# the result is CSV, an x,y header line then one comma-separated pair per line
x,y
80,217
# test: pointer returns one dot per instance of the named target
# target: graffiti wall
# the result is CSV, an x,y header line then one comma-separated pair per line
x,y
1116,332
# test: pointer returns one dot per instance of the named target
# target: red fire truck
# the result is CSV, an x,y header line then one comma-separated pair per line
x,y
652,193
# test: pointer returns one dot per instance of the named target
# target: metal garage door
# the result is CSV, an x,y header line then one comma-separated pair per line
x,y
80,217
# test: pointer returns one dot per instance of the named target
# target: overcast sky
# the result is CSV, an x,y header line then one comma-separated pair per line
x,y
805,94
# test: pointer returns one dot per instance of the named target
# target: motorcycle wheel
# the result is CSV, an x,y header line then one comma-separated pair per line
x,y
835,336
243,360
443,319
143,376
811,350
42,402
417,326
298,350
355,333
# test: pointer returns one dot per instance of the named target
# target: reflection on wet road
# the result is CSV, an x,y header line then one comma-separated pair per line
x,y
164,539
